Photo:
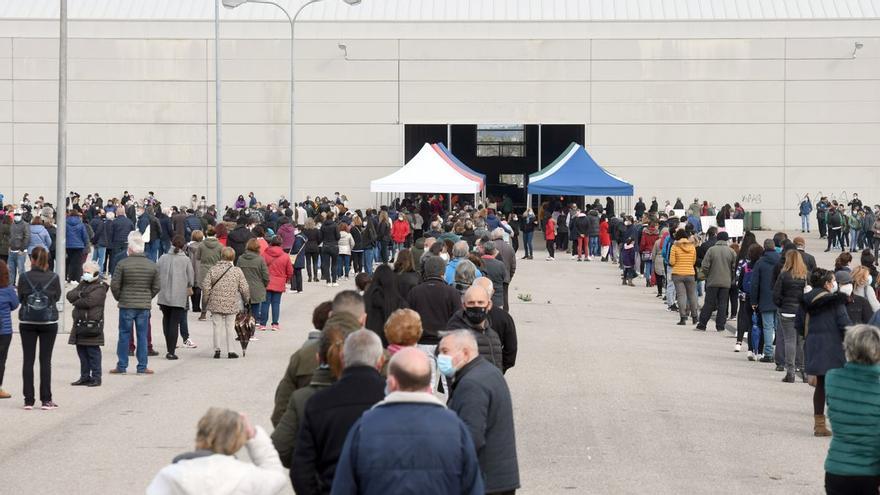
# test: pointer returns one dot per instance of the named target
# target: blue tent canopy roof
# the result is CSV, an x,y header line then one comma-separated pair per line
x,y
575,173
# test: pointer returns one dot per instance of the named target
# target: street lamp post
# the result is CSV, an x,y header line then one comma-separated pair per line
x,y
231,4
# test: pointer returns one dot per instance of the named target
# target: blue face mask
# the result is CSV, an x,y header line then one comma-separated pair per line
x,y
778,249
445,366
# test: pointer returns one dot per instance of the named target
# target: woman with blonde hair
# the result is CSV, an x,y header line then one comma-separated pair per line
x,y
862,287
787,294
213,468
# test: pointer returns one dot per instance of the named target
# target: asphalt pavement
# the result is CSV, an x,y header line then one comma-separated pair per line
x,y
610,397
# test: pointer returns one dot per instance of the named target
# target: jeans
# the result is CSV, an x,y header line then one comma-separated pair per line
x,y
172,319
152,250
136,320
5,341
223,325
369,256
344,264
854,239
648,270
527,243
99,256
594,245
89,362
670,287
17,262
805,223
329,260
793,345
30,335
716,300
273,301
769,319
117,255
686,290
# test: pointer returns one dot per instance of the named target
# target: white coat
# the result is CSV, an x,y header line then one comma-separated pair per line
x,y
220,474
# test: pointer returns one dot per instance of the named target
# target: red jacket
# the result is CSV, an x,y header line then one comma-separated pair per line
x,y
280,269
604,237
399,230
646,245
550,230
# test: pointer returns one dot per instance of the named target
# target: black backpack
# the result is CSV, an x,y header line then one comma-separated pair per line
x,y
37,307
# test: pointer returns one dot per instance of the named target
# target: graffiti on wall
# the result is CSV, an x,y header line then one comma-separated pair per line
x,y
840,197
750,199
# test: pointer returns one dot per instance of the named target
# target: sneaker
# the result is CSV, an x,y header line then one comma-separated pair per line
x,y
146,371
750,356
232,355
117,371
49,405
766,359
275,327
291,291
261,328
28,407
189,344
673,308
335,284
738,347
329,284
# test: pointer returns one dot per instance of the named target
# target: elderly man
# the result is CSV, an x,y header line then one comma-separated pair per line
x,y
495,270
135,283
459,253
508,256
331,412
409,442
304,361
474,316
717,270
434,300
482,400
503,324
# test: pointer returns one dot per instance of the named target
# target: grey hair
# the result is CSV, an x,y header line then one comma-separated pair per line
x,y
497,233
489,247
465,273
435,266
91,266
466,339
862,344
361,348
135,242
460,249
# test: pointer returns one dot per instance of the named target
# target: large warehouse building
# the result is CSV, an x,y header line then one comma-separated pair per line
x,y
756,101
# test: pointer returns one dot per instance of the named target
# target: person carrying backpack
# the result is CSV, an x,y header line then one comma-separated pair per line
x,y
38,290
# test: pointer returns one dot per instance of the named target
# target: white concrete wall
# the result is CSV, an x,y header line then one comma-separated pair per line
x,y
757,114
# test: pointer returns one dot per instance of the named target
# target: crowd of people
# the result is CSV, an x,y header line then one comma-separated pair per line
x,y
407,370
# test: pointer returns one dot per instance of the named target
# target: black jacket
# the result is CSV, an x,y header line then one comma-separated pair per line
x,y
329,235
435,301
488,341
406,281
39,279
581,225
858,309
118,232
823,319
502,323
788,292
313,240
238,239
809,260
328,416
482,400
762,281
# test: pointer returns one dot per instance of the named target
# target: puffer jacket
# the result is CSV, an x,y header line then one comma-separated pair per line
x,y
5,232
853,395
488,341
399,231
280,268
88,305
224,289
256,272
208,255
682,257
39,237
788,293
345,243
823,320
19,236
593,224
329,235
762,281
119,229
313,239
135,282
581,225
8,303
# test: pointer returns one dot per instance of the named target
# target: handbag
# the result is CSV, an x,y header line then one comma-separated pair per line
x,y
88,329
294,256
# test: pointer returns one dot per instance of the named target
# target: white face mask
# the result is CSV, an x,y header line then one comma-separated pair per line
x,y
88,277
846,289
834,287
445,256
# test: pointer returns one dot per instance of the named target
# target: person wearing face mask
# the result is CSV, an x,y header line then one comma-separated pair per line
x,y
480,396
863,287
474,315
87,333
19,239
761,295
822,319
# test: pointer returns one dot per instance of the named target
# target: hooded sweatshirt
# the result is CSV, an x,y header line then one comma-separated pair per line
x,y
280,269
682,257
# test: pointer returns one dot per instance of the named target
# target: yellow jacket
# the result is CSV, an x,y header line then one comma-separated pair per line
x,y
682,257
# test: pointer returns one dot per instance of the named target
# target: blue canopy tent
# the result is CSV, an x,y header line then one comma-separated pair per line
x,y
575,173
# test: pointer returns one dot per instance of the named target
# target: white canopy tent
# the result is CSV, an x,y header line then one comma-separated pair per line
x,y
430,171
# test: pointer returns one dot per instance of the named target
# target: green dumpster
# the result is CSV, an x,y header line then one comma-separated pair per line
x,y
756,220
747,220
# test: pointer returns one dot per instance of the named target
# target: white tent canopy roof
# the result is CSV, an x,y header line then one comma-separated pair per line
x,y
427,172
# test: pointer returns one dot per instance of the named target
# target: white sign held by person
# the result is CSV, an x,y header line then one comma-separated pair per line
x,y
678,213
734,228
706,222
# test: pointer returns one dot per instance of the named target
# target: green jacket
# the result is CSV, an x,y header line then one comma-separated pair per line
x,y
208,255
718,266
135,282
284,436
853,396
298,375
256,273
